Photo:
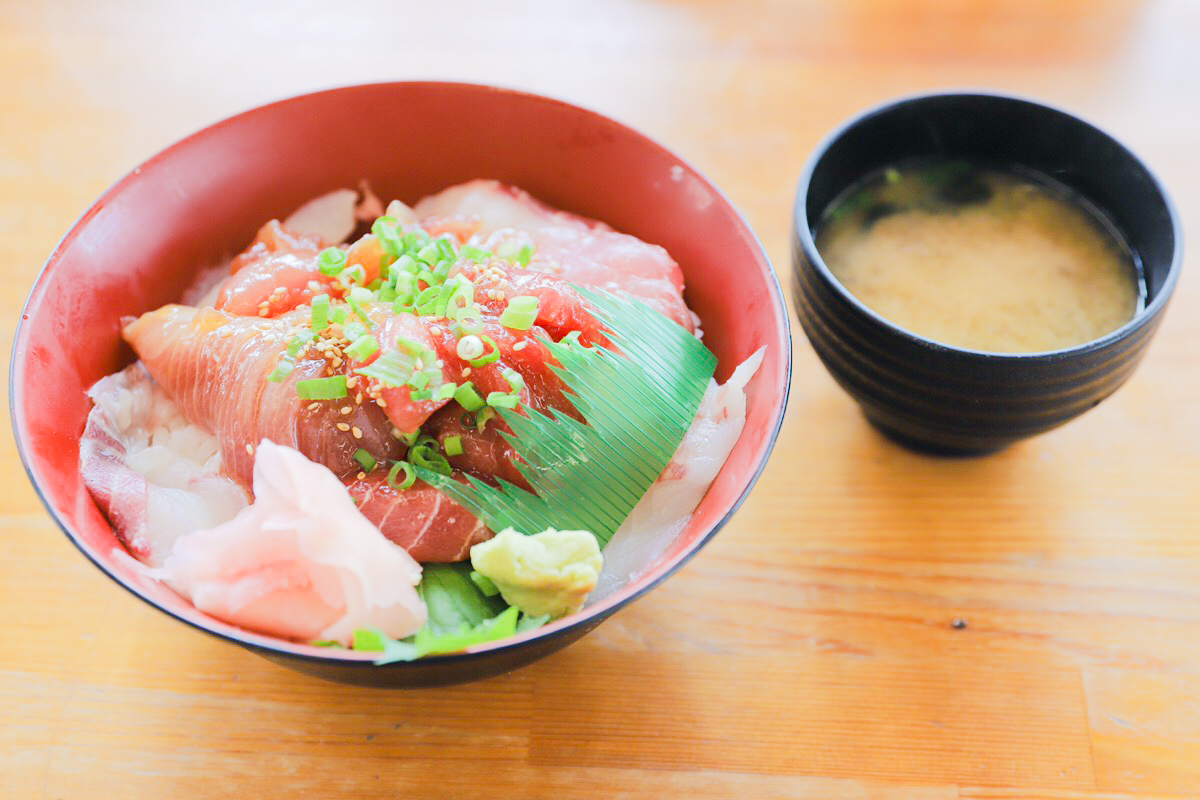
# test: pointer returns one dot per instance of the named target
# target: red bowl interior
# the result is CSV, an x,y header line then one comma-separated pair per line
x,y
202,200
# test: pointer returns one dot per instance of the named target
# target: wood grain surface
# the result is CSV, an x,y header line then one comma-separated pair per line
x,y
811,650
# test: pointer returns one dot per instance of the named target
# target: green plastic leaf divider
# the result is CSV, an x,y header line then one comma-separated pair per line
x,y
638,403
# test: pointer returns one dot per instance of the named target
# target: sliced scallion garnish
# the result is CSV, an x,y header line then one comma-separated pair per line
x,y
365,459
520,312
320,312
468,398
410,477
363,347
392,369
453,445
330,388
331,261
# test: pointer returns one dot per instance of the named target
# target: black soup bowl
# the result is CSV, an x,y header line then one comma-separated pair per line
x,y
951,400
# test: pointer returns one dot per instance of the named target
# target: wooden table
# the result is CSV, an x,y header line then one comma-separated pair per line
x,y
873,624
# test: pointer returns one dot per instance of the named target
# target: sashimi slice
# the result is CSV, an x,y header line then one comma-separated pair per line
x,y
275,274
560,308
301,562
154,474
422,520
215,365
521,351
579,250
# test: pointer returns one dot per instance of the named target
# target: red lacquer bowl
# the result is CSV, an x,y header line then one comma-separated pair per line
x,y
202,200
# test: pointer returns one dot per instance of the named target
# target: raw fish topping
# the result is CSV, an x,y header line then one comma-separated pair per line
x,y
478,362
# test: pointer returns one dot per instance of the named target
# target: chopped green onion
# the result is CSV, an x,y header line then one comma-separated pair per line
x,y
571,338
369,640
353,329
280,372
331,261
430,253
363,348
384,229
386,294
453,445
447,249
468,398
322,388
362,294
525,255
359,311
419,379
474,253
445,391
327,643
320,312
503,400
391,369
520,312
426,457
410,475
482,418
427,302
338,314
514,379
365,459
297,344
486,358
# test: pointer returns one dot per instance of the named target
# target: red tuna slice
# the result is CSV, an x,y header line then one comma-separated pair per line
x,y
214,365
405,413
279,270
576,249
486,453
422,520
519,350
560,308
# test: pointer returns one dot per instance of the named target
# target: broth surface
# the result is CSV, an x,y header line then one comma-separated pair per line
x,y
980,258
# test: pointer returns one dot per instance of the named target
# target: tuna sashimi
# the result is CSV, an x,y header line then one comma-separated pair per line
x,y
154,474
579,250
422,520
560,308
215,366
275,274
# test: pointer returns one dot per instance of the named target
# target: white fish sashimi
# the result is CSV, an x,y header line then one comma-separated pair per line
x,y
301,562
665,509
155,475
579,250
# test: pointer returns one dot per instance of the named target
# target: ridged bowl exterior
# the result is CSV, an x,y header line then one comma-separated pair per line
x,y
945,399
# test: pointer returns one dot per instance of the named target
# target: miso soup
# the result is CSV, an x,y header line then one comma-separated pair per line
x,y
980,257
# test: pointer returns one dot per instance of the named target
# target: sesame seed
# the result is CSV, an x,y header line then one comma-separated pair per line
x,y
352,381
313,406
440,363
382,403
249,448
347,410
396,434
337,361
262,312
343,427
362,475
466,371
435,330
358,398
356,432
264,304
519,346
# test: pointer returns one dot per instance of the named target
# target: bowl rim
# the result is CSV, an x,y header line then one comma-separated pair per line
x,y
591,615
803,234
